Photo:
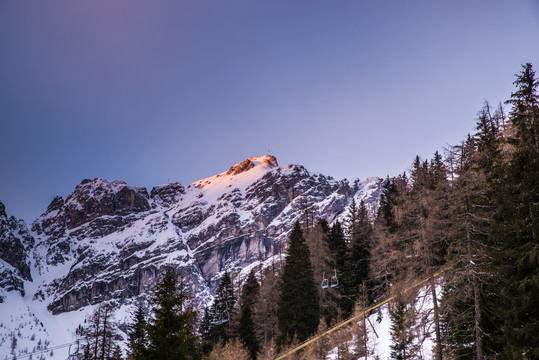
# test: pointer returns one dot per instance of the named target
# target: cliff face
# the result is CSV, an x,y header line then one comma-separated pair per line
x,y
15,240
109,240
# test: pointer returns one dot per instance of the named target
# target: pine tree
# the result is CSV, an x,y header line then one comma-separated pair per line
x,y
298,312
357,257
337,245
390,250
246,332
468,288
137,336
351,219
265,309
385,214
325,270
171,332
515,229
488,201
116,353
411,231
246,328
222,312
420,178
402,316
428,224
250,291
205,331
438,169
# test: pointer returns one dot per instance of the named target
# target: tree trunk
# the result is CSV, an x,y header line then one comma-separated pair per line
x,y
477,320
479,354
438,352
96,347
364,306
105,318
365,336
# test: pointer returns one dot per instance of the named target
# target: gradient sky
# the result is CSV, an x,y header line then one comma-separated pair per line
x,y
147,91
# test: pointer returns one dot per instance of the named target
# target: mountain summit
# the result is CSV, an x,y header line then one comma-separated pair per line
x,y
268,161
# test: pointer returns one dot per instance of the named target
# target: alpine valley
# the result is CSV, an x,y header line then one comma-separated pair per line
x,y
110,241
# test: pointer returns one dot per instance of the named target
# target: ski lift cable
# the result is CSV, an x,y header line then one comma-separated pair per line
x,y
56,347
299,281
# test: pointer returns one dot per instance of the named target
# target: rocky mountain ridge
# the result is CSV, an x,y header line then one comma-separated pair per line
x,y
109,241
15,239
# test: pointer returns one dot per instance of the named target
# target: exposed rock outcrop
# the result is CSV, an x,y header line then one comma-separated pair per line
x,y
108,240
167,194
15,242
267,160
98,197
117,238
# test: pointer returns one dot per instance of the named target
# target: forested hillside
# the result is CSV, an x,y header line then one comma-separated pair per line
x,y
470,210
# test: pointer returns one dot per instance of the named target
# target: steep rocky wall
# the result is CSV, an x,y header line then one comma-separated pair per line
x,y
114,240
15,243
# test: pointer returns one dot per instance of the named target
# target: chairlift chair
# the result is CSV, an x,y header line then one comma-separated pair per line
x,y
334,280
73,355
220,320
325,282
223,316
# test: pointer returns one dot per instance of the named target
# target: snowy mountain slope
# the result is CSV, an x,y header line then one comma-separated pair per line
x,y
109,241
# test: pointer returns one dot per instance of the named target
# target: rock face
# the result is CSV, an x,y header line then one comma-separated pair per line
x,y
97,198
269,161
15,240
108,240
166,195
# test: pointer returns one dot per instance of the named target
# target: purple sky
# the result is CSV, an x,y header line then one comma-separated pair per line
x,y
147,91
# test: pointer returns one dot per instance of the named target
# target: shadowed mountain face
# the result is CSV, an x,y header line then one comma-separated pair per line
x,y
109,240
15,239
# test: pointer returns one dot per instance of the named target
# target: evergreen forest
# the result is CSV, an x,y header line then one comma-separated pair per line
x,y
470,211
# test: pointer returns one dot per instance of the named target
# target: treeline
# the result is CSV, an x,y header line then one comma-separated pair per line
x,y
472,211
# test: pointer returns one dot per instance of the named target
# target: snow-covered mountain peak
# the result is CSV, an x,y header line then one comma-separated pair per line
x,y
239,176
268,161
110,241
